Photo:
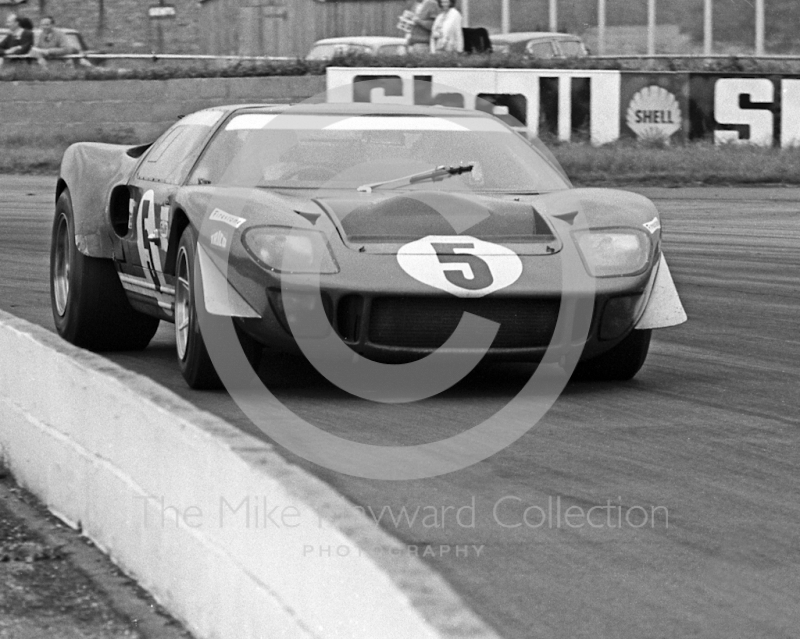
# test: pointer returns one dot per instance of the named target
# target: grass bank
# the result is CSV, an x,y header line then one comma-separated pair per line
x,y
701,163
619,164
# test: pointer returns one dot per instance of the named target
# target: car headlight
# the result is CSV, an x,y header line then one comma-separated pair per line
x,y
613,252
289,250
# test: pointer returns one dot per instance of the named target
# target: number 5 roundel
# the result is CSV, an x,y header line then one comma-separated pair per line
x,y
459,264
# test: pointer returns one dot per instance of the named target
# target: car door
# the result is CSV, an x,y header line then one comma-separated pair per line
x,y
152,188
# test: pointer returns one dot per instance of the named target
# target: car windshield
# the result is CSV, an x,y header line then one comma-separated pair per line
x,y
329,51
309,151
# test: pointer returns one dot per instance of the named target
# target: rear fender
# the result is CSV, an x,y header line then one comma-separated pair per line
x,y
90,171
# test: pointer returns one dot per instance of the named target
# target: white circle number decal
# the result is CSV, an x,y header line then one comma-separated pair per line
x,y
459,264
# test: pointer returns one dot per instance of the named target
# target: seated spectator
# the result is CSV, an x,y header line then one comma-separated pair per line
x,y
19,41
50,43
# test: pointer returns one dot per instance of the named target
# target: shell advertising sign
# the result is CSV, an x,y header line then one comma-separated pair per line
x,y
653,106
654,113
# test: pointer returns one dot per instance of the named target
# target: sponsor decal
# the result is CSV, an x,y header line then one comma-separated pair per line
x,y
219,239
459,264
654,113
653,225
218,215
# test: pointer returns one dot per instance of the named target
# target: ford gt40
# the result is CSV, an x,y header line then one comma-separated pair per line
x,y
382,227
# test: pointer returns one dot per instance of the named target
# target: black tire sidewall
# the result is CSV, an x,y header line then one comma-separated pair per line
x,y
196,365
66,324
97,314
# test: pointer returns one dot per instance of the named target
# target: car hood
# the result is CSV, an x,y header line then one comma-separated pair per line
x,y
380,222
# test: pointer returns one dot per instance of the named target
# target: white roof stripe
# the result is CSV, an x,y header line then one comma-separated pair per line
x,y
208,117
394,123
298,121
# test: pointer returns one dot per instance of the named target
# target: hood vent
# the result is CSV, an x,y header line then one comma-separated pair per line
x,y
411,216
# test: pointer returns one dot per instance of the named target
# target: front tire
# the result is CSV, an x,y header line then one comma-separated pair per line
x,y
193,358
90,308
620,363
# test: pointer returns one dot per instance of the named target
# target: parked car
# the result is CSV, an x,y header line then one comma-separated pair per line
x,y
540,44
370,45
340,221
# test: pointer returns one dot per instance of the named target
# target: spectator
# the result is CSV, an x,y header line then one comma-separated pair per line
x,y
19,41
447,34
418,39
50,43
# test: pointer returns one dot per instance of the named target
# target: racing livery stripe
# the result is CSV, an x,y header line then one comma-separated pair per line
x,y
165,297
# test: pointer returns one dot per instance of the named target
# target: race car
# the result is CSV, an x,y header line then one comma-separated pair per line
x,y
382,227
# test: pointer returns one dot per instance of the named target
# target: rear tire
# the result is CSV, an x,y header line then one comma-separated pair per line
x,y
89,305
620,363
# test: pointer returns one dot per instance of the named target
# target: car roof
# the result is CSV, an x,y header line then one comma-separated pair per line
x,y
364,40
521,36
355,108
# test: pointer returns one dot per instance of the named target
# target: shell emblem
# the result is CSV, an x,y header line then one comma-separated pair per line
x,y
654,113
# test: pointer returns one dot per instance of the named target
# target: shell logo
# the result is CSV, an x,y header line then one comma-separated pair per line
x,y
654,113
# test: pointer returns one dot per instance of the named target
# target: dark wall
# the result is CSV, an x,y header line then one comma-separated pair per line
x,y
122,26
290,27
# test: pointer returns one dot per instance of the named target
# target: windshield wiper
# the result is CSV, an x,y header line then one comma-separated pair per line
x,y
439,173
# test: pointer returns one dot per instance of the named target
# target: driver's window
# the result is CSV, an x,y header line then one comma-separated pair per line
x,y
172,155
246,157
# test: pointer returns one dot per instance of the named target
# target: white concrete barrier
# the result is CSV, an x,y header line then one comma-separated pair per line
x,y
232,539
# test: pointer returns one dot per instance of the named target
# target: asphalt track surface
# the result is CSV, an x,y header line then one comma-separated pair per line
x,y
708,435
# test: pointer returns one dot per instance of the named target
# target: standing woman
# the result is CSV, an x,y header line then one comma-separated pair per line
x,y
446,34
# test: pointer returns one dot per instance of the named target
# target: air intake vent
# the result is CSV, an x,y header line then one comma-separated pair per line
x,y
429,322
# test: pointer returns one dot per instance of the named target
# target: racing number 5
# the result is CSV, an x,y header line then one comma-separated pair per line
x,y
481,273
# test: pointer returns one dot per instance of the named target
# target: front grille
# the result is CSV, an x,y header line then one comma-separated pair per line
x,y
428,322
